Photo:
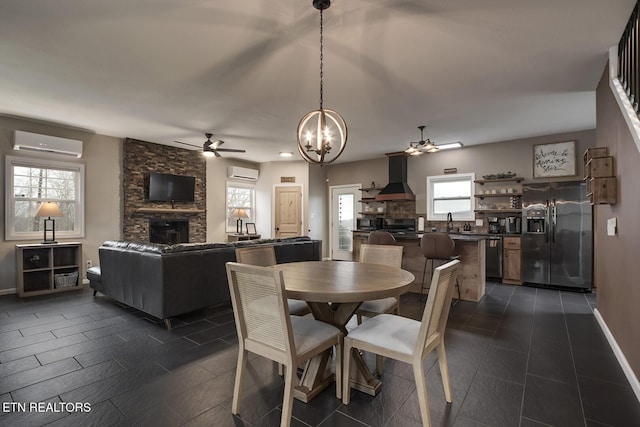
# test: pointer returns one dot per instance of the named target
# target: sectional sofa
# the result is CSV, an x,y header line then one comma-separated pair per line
x,y
168,280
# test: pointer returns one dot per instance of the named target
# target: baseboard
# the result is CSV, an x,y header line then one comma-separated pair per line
x,y
622,360
8,291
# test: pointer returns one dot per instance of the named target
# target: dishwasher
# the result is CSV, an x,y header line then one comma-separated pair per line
x,y
493,257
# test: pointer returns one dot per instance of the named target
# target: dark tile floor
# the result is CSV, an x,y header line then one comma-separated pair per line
x,y
520,357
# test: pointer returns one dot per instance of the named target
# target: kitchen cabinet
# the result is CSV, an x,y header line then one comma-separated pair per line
x,y
371,206
511,260
48,268
496,198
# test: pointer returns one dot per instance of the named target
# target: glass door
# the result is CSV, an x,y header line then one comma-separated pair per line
x,y
343,221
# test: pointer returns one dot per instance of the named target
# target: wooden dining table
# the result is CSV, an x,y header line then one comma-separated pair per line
x,y
334,290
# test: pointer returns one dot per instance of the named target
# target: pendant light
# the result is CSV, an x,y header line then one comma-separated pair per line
x,y
322,133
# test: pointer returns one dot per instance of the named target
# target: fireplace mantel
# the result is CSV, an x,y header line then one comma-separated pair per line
x,y
169,210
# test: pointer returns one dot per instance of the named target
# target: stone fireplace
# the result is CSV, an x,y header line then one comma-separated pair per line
x,y
169,231
140,158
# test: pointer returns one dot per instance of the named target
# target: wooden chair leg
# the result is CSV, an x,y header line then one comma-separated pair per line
x,y
287,403
346,371
339,361
444,372
421,389
241,367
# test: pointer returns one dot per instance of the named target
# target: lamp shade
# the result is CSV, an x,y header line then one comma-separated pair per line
x,y
239,213
48,209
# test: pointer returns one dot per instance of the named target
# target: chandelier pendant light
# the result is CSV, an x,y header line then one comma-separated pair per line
x,y
322,134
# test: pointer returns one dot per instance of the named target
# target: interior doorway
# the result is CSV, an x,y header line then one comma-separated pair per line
x,y
344,202
288,211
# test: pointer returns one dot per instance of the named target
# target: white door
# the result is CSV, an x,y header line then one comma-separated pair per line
x,y
344,200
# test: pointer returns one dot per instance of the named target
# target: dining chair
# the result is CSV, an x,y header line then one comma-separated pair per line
x,y
265,256
266,328
409,340
380,237
437,246
385,255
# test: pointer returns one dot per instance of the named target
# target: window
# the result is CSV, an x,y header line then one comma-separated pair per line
x,y
32,181
240,196
450,193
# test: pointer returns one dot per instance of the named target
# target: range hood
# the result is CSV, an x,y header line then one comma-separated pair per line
x,y
397,189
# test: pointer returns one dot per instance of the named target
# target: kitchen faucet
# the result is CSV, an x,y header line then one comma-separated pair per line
x,y
449,222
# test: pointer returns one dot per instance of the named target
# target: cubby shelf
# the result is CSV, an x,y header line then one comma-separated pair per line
x,y
48,268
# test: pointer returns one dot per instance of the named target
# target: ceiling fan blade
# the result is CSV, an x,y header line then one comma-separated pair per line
x,y
234,150
216,153
216,144
184,143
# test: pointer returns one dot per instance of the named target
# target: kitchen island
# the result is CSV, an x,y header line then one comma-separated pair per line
x,y
470,248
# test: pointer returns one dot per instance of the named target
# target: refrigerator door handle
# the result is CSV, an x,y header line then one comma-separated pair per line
x,y
554,218
546,225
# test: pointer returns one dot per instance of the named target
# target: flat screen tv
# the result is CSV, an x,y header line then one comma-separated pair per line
x,y
171,188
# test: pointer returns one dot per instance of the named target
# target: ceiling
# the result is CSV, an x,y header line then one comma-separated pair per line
x,y
248,70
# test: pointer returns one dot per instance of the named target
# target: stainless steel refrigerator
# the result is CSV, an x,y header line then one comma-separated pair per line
x,y
557,236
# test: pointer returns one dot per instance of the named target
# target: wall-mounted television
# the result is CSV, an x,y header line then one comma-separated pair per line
x,y
171,188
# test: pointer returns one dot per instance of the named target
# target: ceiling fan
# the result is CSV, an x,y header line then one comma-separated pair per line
x,y
211,148
422,146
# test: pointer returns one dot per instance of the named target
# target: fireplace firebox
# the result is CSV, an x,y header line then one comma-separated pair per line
x,y
169,231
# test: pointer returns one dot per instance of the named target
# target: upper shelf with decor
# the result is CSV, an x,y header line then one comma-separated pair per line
x,y
516,179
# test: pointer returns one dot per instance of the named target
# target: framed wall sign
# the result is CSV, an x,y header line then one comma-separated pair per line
x,y
555,159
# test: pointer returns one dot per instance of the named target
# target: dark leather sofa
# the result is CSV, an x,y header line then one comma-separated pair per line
x,y
168,280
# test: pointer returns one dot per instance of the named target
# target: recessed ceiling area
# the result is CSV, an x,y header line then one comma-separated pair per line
x,y
248,70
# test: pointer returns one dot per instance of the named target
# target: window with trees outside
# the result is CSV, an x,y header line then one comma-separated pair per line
x,y
31,181
240,196
450,194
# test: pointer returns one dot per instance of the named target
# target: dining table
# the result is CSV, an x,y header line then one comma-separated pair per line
x,y
334,290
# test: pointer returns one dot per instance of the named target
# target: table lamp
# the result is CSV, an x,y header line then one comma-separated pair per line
x,y
239,213
49,209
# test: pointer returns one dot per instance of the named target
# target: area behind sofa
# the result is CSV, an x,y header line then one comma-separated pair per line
x,y
168,280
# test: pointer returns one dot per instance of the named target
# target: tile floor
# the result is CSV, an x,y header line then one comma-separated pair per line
x,y
520,357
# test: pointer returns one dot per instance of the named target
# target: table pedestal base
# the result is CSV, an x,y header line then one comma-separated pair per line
x,y
316,377
317,374
361,378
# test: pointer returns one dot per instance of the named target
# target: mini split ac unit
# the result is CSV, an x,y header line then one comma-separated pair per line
x,y
46,143
242,173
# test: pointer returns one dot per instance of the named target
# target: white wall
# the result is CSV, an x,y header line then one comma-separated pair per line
x,y
217,195
103,160
270,174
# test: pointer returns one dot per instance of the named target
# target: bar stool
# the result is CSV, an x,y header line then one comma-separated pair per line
x,y
380,237
437,246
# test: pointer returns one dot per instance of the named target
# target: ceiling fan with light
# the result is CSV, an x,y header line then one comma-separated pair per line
x,y
420,147
212,148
